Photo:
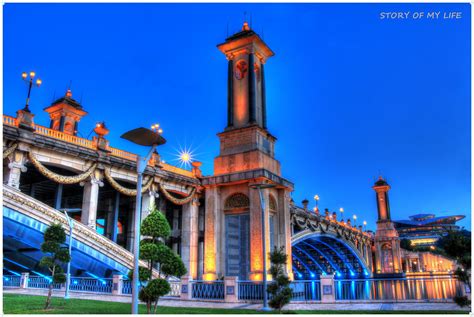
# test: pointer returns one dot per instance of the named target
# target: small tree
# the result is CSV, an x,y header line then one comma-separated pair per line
x,y
54,237
153,250
280,286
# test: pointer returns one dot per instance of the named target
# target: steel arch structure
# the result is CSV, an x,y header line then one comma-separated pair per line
x,y
322,246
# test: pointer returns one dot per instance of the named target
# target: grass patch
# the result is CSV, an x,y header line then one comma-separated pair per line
x,y
30,304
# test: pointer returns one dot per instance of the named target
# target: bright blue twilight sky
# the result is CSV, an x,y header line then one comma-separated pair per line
x,y
349,94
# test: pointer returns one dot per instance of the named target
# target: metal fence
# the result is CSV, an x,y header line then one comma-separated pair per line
x,y
208,290
306,290
398,289
302,291
41,282
11,281
88,284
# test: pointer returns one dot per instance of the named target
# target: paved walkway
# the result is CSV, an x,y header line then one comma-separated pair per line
x,y
299,306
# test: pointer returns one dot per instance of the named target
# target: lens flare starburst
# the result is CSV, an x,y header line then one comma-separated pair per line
x,y
185,157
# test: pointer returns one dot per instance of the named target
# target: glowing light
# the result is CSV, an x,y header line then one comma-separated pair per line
x,y
341,209
39,82
24,75
316,197
365,223
354,217
312,275
32,74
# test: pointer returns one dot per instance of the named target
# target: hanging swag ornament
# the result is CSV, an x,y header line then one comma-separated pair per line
x,y
61,179
123,190
177,201
10,150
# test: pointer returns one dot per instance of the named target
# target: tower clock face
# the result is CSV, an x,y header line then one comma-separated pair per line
x,y
240,69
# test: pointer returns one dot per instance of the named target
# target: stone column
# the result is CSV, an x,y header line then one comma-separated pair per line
x,y
24,280
230,93
90,199
189,237
15,168
117,281
211,233
252,89
327,289
284,228
148,201
256,245
231,289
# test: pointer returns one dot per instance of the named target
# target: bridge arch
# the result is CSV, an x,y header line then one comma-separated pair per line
x,y
317,252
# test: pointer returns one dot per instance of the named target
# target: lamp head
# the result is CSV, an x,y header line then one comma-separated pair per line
x,y
143,136
24,75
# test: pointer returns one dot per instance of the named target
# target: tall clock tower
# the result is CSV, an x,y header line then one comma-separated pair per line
x,y
246,143
233,242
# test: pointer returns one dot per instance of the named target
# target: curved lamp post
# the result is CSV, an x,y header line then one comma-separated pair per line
x,y
264,245
151,138
70,222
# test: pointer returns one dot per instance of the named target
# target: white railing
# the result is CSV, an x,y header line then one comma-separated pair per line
x,y
64,137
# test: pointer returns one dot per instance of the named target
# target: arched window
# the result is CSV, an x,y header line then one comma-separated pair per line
x,y
237,200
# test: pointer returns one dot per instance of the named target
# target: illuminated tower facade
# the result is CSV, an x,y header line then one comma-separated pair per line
x,y
387,242
65,114
233,243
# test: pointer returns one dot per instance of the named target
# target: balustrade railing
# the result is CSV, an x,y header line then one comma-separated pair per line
x,y
87,284
208,290
41,282
11,281
7,120
175,289
64,137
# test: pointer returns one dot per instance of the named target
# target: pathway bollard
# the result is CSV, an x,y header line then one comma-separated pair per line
x,y
117,281
328,294
24,280
231,289
186,291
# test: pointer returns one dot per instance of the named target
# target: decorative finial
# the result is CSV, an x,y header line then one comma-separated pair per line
x,y
246,26
69,93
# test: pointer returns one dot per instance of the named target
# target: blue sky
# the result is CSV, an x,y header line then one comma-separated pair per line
x,y
349,95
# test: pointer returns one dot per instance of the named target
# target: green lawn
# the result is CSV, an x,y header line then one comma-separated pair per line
x,y
27,304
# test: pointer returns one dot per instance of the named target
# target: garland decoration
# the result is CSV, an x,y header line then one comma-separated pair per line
x,y
124,190
61,179
10,150
178,201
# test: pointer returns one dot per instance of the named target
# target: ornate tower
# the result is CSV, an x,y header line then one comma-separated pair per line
x,y
246,143
233,242
65,114
387,242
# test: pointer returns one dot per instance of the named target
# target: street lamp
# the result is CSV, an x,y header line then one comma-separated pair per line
x,y
262,206
316,198
365,225
32,75
355,219
145,137
70,222
342,213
